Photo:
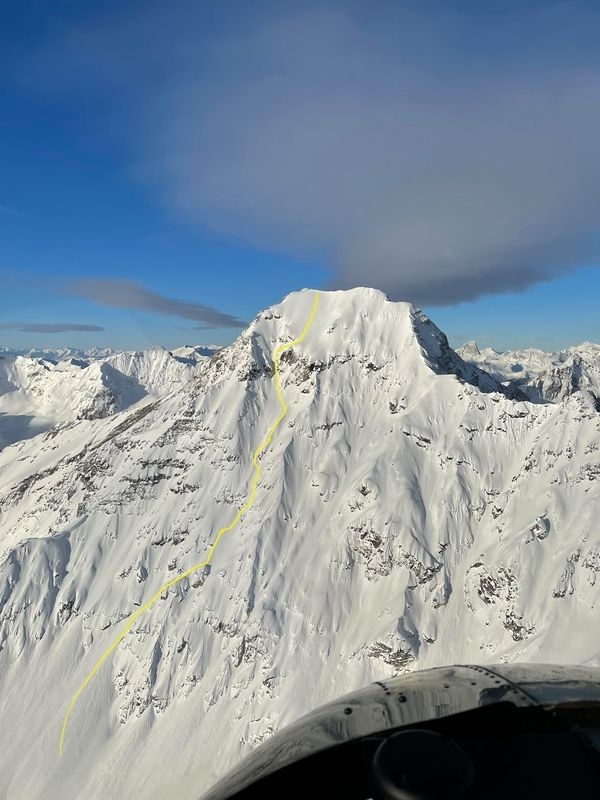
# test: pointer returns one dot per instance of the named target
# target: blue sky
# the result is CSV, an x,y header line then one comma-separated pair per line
x,y
169,169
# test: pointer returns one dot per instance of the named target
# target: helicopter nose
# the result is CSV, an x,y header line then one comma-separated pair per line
x,y
421,765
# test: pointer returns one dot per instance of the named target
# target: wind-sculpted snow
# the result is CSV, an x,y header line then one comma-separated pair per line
x,y
410,514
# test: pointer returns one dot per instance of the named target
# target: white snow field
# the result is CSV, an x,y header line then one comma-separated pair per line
x,y
412,512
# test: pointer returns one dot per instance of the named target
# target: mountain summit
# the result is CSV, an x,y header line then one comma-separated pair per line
x,y
410,513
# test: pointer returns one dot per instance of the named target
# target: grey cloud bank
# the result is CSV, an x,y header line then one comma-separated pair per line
x,y
121,293
436,189
435,154
43,327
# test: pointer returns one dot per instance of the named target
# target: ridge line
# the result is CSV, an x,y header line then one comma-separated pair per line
x,y
248,504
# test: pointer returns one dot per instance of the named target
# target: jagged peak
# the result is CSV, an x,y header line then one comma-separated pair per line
x,y
470,348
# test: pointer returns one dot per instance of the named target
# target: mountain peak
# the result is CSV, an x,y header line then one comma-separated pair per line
x,y
348,322
469,349
363,324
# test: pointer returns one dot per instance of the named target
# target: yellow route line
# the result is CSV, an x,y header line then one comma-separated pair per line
x,y
257,473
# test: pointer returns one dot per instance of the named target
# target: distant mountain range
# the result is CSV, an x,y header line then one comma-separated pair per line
x,y
541,376
59,354
96,353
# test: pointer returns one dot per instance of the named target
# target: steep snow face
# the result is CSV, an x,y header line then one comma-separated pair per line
x,y
38,393
541,376
405,518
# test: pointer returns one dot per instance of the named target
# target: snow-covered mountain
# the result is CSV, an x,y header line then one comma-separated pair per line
x,y
411,513
541,376
37,393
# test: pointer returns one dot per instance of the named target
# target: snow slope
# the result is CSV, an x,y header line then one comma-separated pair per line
x,y
410,514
